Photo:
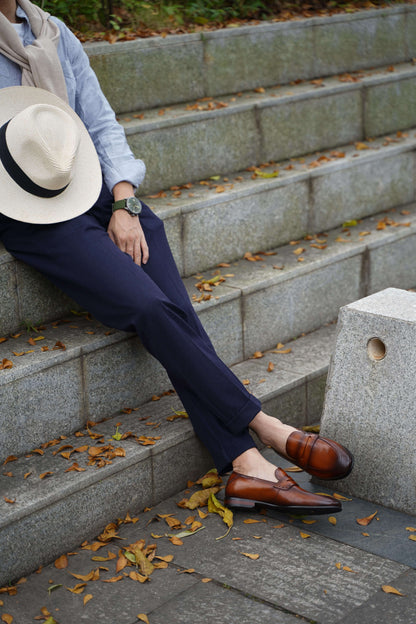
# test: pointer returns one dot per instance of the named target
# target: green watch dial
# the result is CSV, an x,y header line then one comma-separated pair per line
x,y
131,204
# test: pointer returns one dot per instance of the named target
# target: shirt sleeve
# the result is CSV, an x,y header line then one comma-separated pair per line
x,y
117,160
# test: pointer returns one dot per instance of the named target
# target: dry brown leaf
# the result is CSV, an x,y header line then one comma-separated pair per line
x,y
388,589
78,589
114,579
94,575
252,521
136,576
176,541
188,571
270,367
10,458
341,497
110,556
87,598
7,618
412,537
45,474
411,529
251,555
143,618
62,562
206,580
366,534
304,535
361,146
298,251
167,558
122,562
366,521
257,354
11,501
332,520
6,364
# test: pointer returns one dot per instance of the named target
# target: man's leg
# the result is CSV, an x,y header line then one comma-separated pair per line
x,y
81,259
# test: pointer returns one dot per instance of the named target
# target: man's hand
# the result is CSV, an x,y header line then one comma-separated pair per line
x,y
125,230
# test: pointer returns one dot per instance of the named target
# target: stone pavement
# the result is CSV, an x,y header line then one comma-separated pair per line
x,y
317,572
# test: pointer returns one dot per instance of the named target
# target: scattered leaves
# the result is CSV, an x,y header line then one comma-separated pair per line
x,y
214,506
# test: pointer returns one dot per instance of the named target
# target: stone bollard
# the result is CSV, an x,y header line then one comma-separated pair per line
x,y
370,402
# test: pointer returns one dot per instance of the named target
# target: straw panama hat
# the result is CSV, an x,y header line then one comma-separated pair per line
x,y
49,169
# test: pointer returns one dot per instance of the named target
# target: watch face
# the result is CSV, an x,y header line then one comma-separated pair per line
x,y
133,205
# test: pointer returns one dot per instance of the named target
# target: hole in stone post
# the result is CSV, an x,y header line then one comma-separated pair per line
x,y
376,349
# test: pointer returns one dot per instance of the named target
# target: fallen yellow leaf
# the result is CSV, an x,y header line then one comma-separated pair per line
x,y
366,521
388,589
251,555
332,520
87,598
304,535
143,618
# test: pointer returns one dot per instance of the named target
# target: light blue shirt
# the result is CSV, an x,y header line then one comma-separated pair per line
x,y
88,101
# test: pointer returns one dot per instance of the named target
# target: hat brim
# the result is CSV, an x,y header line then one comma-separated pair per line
x,y
85,186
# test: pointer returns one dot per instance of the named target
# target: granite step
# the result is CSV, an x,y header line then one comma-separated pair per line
x,y
199,139
247,306
206,227
160,71
54,509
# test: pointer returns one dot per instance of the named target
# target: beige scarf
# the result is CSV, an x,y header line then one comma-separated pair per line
x,y
39,61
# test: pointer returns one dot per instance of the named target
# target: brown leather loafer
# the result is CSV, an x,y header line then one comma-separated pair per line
x,y
320,457
285,495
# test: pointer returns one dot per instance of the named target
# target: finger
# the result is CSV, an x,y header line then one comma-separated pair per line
x,y
137,255
145,250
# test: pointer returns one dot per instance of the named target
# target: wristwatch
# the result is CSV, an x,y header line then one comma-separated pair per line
x,y
131,204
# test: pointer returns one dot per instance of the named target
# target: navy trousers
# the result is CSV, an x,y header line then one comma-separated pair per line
x,y
80,258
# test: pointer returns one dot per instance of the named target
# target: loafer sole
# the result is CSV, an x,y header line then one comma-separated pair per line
x,y
246,503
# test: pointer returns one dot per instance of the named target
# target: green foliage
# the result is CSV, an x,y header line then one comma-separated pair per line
x,y
154,14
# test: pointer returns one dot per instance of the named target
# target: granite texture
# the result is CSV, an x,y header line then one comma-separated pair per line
x,y
362,188
40,407
149,72
222,142
369,405
262,220
389,107
392,265
9,309
298,126
257,56
309,301
348,45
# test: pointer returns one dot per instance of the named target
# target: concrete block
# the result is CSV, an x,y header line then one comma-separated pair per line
x,y
344,44
299,305
39,299
389,107
223,323
315,396
257,56
296,126
359,189
173,229
40,407
9,309
146,73
392,264
410,32
121,375
256,221
174,466
369,405
177,154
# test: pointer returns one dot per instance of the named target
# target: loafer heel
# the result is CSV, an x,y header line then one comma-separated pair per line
x,y
239,502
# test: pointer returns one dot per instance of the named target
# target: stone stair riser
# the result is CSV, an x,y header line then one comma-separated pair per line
x,y
183,148
154,72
